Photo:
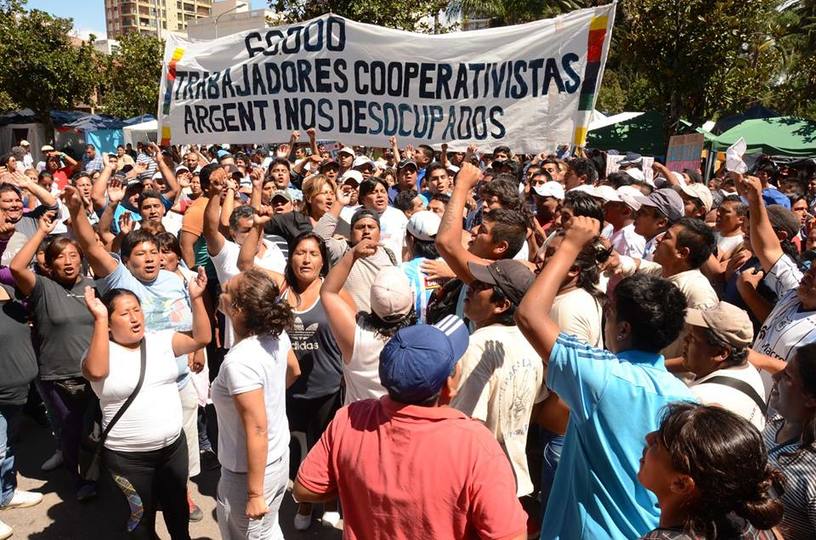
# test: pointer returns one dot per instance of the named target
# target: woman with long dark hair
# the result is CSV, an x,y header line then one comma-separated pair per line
x,y
791,440
709,470
249,394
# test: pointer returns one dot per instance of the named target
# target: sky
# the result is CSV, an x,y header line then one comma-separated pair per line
x,y
90,18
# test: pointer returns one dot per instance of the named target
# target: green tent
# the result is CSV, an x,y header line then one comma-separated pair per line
x,y
643,134
780,136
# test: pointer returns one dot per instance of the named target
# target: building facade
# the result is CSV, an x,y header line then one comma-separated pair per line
x,y
154,17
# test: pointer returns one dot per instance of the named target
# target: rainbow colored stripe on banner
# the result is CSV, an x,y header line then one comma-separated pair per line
x,y
168,93
595,43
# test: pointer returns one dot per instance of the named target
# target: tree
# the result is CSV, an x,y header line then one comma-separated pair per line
x,y
506,12
131,76
411,15
796,94
701,58
45,71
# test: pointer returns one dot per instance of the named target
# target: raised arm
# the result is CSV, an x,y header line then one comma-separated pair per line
x,y
100,186
42,194
392,142
69,161
212,213
449,237
342,318
533,314
313,141
227,206
24,278
116,192
101,261
660,169
184,342
246,255
167,173
96,364
293,140
765,244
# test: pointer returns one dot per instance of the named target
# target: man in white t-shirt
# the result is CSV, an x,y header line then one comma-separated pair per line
x,y
619,212
731,214
502,375
716,352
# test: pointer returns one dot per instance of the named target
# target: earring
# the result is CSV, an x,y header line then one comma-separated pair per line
x,y
620,338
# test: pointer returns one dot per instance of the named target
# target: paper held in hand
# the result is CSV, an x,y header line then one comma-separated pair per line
x,y
733,157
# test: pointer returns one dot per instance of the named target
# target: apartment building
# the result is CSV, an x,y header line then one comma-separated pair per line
x,y
154,17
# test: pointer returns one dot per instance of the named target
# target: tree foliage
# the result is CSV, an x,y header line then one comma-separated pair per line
x,y
44,70
504,12
131,76
700,57
411,15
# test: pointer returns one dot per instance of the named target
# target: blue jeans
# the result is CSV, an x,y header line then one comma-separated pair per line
x,y
8,472
552,445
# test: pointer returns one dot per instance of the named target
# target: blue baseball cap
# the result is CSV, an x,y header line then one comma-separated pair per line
x,y
417,360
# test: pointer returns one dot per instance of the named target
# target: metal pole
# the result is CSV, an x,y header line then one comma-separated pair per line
x,y
236,6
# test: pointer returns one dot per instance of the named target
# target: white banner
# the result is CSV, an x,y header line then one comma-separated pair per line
x,y
527,86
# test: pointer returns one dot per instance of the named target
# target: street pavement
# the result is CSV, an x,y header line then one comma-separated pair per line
x,y
61,517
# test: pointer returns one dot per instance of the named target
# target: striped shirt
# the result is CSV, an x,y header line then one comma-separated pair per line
x,y
799,497
152,166
788,326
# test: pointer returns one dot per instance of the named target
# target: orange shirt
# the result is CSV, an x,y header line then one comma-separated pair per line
x,y
411,472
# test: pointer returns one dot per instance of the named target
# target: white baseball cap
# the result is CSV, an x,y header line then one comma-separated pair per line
x,y
586,188
24,143
424,225
351,174
47,148
392,295
359,161
607,193
631,197
347,150
550,189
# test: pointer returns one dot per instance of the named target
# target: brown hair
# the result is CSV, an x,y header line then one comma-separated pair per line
x,y
257,297
57,246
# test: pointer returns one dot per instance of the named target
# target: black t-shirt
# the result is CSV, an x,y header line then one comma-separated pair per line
x,y
321,364
64,327
288,225
18,364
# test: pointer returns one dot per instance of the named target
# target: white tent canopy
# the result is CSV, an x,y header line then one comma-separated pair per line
x,y
599,120
144,132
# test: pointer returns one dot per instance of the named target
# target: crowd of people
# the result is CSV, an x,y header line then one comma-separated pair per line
x,y
459,344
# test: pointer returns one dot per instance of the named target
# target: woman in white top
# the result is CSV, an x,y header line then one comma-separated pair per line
x,y
362,336
249,394
145,451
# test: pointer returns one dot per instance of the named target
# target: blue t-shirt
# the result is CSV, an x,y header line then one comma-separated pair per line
x,y
165,304
614,402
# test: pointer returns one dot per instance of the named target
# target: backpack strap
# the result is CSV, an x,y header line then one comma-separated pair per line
x,y
743,387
